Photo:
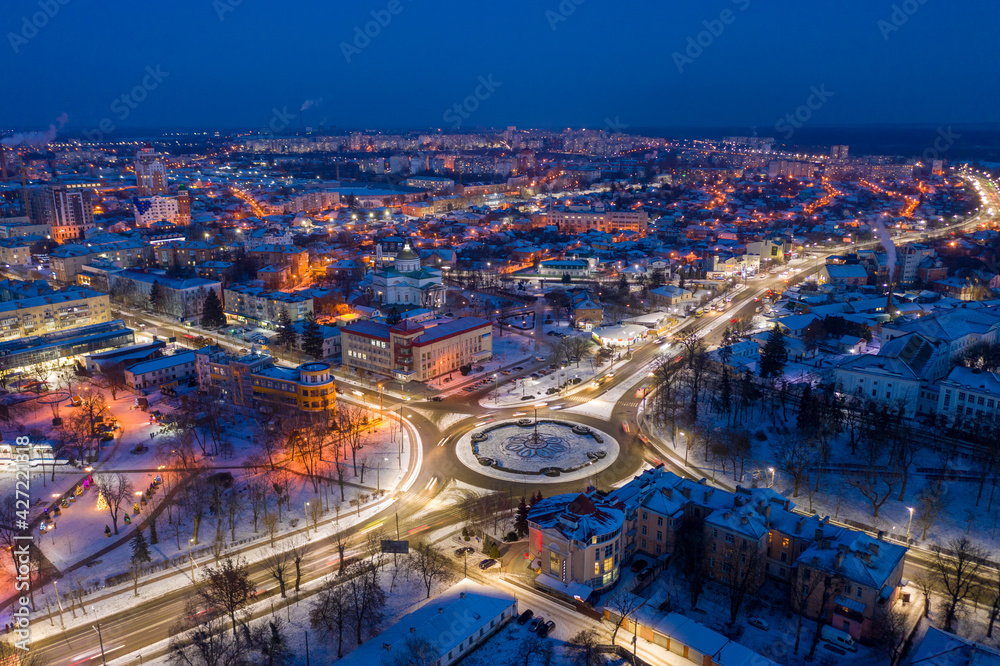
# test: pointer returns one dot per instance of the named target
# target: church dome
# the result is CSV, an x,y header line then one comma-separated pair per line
x,y
407,260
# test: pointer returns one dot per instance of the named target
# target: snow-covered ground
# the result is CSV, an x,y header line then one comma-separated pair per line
x,y
557,446
78,532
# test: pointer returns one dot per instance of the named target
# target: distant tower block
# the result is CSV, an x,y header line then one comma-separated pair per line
x,y
150,172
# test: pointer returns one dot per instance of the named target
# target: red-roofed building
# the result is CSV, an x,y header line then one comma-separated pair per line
x,y
417,351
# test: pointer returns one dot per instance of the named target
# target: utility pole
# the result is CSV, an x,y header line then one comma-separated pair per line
x,y
97,628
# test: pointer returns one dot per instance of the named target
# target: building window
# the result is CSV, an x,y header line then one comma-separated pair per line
x,y
729,538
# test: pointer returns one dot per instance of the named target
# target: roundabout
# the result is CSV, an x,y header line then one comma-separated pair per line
x,y
543,451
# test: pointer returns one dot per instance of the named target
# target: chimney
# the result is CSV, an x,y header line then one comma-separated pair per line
x,y
839,561
744,520
873,547
819,533
880,533
686,492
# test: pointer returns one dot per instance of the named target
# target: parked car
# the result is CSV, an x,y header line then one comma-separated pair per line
x,y
464,550
487,563
525,616
645,573
535,623
759,623
544,630
638,566
518,368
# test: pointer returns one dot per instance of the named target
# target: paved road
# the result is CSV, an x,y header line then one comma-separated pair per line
x,y
123,633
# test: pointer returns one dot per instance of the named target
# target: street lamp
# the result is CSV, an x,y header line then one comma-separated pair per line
x,y
380,400
305,512
909,524
190,541
771,470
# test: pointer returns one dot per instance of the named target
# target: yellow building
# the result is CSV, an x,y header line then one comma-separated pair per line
x,y
309,387
253,379
59,311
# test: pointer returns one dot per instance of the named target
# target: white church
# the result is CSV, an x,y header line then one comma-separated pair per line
x,y
407,283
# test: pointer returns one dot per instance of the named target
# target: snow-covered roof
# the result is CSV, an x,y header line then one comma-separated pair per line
x,y
443,622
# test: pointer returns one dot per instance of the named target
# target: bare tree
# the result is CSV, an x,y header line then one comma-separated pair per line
x,y
994,592
277,565
875,486
271,524
956,574
932,500
889,630
429,563
584,644
536,651
298,552
257,496
329,613
366,599
746,570
116,490
796,458
228,588
624,605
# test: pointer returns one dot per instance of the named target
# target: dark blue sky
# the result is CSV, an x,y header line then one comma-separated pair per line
x,y
604,61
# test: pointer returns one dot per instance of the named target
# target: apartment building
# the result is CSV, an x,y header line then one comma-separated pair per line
x,y
260,307
182,299
57,311
67,208
15,251
417,351
857,575
970,396
579,539
67,261
752,534
150,171
252,380
154,209
163,371
186,253
282,255
578,220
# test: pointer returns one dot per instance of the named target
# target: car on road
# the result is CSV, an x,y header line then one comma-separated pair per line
x,y
539,358
759,623
638,566
487,563
436,398
505,372
525,616
535,623
645,573
551,333
517,368
464,550
544,630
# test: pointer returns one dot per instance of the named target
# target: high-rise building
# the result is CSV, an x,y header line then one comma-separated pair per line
x,y
150,172
839,152
66,208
